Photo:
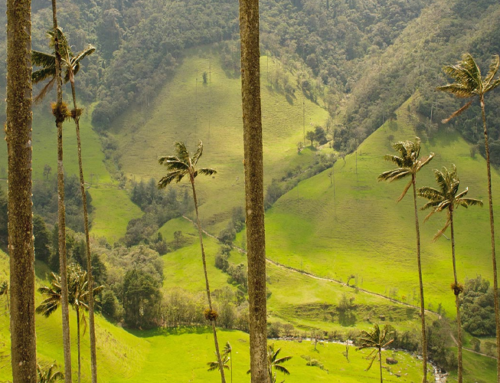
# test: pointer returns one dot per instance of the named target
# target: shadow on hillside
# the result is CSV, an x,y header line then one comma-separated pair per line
x,y
171,331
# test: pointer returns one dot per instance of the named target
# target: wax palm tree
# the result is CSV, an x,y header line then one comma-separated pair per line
x,y
18,135
409,164
48,374
447,198
226,359
254,186
71,65
59,110
178,167
275,364
470,84
376,339
78,298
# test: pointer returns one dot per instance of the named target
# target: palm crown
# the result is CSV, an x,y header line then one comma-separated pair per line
x,y
47,62
408,163
469,81
182,164
447,196
377,339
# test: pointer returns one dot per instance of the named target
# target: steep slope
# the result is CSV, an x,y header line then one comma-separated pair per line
x,y
188,110
344,222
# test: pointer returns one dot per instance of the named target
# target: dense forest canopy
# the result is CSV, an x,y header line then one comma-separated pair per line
x,y
362,59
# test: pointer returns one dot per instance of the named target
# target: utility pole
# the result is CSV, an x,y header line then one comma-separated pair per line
x,y
209,95
304,119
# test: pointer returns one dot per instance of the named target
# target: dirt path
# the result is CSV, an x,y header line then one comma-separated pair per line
x,y
313,276
470,350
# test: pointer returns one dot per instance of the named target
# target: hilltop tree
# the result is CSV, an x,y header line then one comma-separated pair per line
x,y
178,167
448,199
409,164
470,84
19,149
376,339
254,187
71,65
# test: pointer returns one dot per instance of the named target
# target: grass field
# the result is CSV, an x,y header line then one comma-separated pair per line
x,y
187,110
351,224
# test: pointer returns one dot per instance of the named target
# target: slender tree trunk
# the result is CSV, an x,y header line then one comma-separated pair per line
x,y
380,360
90,280
219,359
421,285
18,136
61,207
78,341
254,187
456,291
492,230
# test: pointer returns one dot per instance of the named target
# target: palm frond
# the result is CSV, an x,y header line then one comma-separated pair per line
x,y
429,193
405,190
457,113
197,154
492,85
281,369
46,89
205,172
424,161
466,202
495,64
442,231
458,90
162,160
42,59
43,74
182,152
474,78
396,159
171,177
81,55
393,175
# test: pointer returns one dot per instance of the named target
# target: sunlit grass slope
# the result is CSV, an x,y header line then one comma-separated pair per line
x,y
188,110
119,352
113,207
305,302
351,224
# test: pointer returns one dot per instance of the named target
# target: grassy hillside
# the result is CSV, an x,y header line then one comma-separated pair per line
x,y
350,223
188,110
113,207
179,355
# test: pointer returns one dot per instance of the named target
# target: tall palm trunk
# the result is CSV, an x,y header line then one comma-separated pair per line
x,y
456,291
78,342
421,285
219,359
380,360
18,135
90,280
61,207
492,230
254,187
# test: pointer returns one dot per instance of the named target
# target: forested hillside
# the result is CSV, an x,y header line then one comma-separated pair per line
x,y
360,59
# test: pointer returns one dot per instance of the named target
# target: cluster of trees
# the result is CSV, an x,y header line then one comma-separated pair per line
x,y
159,207
279,187
45,201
